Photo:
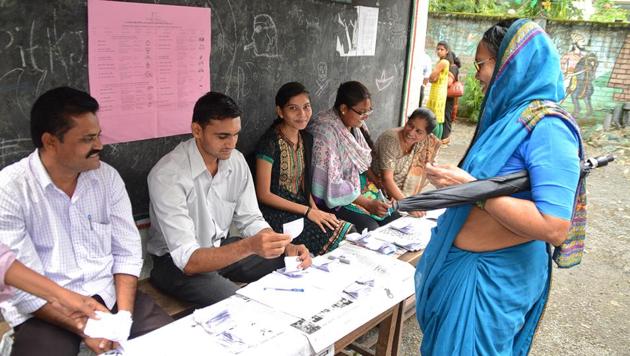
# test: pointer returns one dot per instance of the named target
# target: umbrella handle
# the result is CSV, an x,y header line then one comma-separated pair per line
x,y
588,164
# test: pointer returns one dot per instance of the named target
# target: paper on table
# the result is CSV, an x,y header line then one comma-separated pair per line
x,y
291,264
294,296
411,233
434,214
186,337
293,228
238,325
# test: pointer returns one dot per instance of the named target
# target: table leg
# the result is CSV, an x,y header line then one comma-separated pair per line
x,y
386,333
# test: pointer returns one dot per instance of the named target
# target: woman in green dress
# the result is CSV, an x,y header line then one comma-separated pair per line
x,y
283,174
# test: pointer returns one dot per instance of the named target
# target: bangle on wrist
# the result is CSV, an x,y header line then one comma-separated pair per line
x,y
308,210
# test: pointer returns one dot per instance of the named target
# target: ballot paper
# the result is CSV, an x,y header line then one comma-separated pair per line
x,y
238,325
410,233
291,264
114,327
372,243
293,228
434,214
294,296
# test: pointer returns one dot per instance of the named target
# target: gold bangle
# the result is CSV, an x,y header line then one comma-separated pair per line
x,y
308,210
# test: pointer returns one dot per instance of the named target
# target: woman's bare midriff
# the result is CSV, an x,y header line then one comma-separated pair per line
x,y
481,232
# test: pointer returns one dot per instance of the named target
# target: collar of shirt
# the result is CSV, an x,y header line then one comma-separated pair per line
x,y
43,178
198,166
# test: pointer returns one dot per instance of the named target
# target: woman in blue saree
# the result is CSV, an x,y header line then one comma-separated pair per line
x,y
483,281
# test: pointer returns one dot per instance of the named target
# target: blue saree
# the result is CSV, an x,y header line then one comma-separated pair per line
x,y
490,303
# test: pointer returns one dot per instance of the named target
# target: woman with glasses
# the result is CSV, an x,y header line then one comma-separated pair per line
x,y
440,80
402,153
483,281
342,154
283,174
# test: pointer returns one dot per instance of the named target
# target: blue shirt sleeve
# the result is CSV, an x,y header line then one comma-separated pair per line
x,y
551,156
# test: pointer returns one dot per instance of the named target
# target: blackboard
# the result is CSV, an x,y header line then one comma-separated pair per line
x,y
43,44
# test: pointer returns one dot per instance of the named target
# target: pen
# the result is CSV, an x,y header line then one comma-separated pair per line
x,y
90,220
381,196
286,289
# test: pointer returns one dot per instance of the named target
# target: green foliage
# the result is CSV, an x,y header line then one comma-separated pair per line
x,y
487,7
554,9
607,11
470,103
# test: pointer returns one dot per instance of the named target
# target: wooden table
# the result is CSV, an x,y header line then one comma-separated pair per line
x,y
390,323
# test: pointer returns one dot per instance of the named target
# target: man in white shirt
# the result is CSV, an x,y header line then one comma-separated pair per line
x,y
197,191
67,216
425,62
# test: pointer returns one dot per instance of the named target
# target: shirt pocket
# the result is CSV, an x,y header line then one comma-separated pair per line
x,y
223,213
100,240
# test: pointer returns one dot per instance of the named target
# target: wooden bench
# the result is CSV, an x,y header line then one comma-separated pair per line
x,y
173,307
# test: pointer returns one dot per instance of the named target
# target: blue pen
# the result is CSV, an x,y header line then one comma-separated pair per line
x,y
286,289
90,220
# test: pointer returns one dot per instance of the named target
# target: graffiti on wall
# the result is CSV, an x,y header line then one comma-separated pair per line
x,y
595,58
579,68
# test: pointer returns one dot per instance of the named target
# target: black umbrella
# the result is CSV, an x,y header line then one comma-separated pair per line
x,y
482,189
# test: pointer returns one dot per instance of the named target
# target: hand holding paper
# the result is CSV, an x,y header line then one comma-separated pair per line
x,y
269,244
114,327
301,253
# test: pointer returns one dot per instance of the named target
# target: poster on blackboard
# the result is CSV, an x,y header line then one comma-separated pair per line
x,y
359,35
148,65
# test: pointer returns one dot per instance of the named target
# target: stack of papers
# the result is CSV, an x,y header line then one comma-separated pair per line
x,y
370,242
238,324
410,233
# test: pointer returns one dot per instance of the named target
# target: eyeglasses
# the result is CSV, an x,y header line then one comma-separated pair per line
x,y
480,63
363,114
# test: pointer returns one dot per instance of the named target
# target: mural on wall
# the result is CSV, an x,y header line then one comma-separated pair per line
x,y
595,58
579,68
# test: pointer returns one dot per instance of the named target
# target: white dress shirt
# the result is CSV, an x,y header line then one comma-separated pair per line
x,y
80,242
191,209
426,65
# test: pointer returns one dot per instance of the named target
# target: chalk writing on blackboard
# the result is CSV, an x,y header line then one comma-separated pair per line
x,y
264,37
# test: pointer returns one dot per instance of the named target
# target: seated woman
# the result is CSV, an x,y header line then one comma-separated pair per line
x,y
283,158
341,160
402,153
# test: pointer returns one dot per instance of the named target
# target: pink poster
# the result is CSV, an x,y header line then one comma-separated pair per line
x,y
148,65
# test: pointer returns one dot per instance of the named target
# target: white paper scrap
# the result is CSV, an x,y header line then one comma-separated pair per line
x,y
293,228
114,327
291,264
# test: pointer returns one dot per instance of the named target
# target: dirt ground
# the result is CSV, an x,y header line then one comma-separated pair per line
x,y
589,308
